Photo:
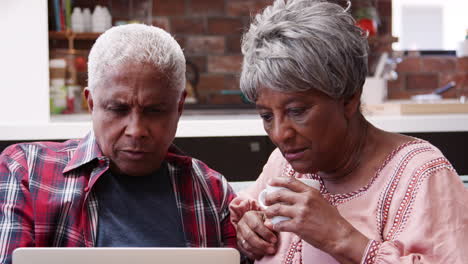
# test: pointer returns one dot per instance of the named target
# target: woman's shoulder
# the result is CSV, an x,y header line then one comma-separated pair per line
x,y
398,148
412,160
418,171
417,150
413,163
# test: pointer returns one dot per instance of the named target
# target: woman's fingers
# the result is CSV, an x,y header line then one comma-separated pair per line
x,y
298,214
297,206
281,210
285,196
290,183
254,238
240,246
255,220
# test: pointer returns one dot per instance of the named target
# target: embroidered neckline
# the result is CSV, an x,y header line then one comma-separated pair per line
x,y
344,197
340,198
294,248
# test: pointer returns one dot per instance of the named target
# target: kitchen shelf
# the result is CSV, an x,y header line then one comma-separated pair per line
x,y
77,36
381,40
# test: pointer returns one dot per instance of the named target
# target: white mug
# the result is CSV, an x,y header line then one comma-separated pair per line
x,y
270,189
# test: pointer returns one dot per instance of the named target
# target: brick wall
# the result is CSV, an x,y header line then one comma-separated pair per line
x,y
417,74
422,74
210,33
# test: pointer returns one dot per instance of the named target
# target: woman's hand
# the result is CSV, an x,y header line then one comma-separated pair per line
x,y
314,220
254,239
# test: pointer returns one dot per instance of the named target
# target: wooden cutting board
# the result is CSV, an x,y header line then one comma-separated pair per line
x,y
408,107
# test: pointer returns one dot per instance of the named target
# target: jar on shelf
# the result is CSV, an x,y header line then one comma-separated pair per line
x,y
58,91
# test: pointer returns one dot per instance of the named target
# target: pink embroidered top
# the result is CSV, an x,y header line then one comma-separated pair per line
x,y
414,210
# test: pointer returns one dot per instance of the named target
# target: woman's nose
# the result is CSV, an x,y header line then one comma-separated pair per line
x,y
281,131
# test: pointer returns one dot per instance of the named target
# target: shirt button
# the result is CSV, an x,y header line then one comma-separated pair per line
x,y
86,189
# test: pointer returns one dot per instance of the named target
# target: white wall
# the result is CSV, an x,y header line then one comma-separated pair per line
x,y
422,28
24,53
453,27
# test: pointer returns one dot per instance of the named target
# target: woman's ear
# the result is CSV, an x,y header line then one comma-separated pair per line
x,y
352,104
89,98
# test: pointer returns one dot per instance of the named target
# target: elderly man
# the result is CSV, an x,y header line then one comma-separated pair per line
x,y
123,184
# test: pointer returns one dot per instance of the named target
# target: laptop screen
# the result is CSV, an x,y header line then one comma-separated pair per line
x,y
126,256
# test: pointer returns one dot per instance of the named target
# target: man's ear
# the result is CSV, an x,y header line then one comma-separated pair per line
x,y
352,104
89,99
180,108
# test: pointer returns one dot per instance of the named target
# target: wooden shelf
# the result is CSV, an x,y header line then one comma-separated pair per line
x,y
382,40
71,37
410,107
373,40
65,35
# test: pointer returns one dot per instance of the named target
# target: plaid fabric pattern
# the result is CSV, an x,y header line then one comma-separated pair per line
x,y
47,199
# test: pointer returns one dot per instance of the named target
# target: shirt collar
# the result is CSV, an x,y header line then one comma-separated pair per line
x,y
87,151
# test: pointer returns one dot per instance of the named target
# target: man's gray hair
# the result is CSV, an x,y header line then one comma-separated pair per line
x,y
137,43
298,45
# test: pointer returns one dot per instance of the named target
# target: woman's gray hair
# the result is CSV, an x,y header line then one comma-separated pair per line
x,y
137,43
298,45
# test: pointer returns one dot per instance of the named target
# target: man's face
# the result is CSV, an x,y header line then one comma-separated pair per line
x,y
135,115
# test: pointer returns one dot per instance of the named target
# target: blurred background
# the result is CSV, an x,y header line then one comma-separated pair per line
x,y
418,37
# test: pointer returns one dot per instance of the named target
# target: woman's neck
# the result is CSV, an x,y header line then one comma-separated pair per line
x,y
349,174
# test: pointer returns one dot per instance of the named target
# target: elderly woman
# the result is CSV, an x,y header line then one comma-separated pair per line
x,y
383,197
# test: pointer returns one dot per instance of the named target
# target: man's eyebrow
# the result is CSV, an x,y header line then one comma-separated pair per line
x,y
112,101
261,107
159,104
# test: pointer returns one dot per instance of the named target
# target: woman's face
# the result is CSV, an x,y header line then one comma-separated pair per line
x,y
310,128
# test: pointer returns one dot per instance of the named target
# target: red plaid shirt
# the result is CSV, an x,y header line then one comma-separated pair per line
x,y
47,198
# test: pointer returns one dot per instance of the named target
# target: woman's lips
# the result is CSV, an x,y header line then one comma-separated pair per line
x,y
294,154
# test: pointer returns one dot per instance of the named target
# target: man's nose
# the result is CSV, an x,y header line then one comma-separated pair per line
x,y
136,126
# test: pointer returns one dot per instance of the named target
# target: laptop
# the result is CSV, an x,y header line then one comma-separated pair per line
x,y
126,256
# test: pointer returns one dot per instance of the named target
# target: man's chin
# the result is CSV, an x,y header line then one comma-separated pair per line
x,y
136,173
133,169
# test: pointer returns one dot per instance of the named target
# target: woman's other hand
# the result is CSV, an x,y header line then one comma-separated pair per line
x,y
314,219
254,238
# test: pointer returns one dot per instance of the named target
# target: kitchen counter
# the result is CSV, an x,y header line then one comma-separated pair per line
x,y
225,123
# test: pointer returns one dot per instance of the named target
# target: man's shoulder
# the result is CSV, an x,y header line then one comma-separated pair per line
x,y
184,166
39,150
181,161
205,171
42,146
